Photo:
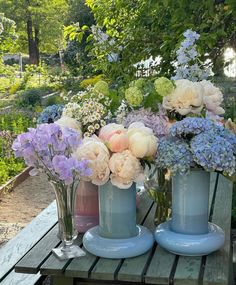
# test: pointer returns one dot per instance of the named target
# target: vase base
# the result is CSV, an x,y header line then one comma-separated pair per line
x,y
190,245
118,248
84,223
70,252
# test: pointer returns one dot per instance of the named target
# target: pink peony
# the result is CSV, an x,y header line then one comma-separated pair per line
x,y
98,155
115,137
125,169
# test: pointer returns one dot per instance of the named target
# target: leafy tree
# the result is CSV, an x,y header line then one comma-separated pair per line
x,y
7,34
39,24
145,28
76,55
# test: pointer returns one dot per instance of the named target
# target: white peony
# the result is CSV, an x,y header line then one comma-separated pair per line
x,y
186,98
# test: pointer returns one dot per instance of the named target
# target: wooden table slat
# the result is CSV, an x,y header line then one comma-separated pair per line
x,y
31,262
160,267
80,267
55,266
132,268
14,278
18,246
218,263
187,270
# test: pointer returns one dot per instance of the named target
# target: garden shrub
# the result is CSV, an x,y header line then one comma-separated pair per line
x,y
53,100
91,81
30,97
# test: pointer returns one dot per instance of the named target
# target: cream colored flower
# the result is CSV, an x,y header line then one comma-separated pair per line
x,y
125,169
186,98
69,123
98,155
212,98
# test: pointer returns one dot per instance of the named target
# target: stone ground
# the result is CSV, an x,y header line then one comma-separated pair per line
x,y
19,207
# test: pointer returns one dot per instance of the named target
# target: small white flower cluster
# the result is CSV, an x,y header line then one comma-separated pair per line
x,y
122,112
90,109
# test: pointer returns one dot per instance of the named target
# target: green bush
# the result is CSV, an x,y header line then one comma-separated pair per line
x,y
54,100
30,97
16,122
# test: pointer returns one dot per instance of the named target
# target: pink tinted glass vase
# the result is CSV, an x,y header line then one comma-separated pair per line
x,y
87,210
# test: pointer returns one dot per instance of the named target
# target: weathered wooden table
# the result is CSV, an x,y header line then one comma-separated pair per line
x,y
157,266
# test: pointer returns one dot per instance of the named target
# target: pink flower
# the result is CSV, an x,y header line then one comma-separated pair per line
x,y
125,169
115,137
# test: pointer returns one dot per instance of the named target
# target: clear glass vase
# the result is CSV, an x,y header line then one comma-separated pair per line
x,y
159,189
65,199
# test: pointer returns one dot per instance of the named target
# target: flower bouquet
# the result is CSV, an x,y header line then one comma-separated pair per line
x,y
116,157
48,149
194,148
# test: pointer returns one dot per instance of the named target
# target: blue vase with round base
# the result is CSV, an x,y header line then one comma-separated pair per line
x,y
188,232
117,235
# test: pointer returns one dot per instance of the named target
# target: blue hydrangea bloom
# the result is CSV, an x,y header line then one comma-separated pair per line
x,y
174,154
50,114
213,152
192,126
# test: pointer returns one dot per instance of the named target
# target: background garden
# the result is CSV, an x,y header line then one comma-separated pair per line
x,y
51,50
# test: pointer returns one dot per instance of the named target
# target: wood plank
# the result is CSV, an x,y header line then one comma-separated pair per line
x,y
79,267
132,269
17,247
188,268
31,262
218,263
160,267
54,266
187,271
105,269
14,278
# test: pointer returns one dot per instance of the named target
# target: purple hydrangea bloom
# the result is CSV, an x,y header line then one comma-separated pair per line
x,y
157,122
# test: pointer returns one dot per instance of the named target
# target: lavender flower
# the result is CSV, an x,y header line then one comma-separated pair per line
x,y
213,152
174,154
157,122
49,147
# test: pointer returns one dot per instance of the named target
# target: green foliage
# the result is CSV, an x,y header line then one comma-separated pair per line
x,y
16,122
141,29
47,17
54,100
7,34
31,97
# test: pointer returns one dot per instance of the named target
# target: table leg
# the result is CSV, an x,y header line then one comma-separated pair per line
x,y
62,280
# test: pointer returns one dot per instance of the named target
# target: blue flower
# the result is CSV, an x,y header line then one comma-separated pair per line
x,y
213,152
174,154
50,114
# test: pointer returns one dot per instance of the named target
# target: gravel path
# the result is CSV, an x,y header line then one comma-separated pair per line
x,y
19,207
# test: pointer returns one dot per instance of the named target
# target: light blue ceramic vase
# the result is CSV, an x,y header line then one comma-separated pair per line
x,y
117,235
189,232
190,199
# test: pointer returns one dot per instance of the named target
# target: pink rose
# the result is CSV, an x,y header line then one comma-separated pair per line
x,y
115,137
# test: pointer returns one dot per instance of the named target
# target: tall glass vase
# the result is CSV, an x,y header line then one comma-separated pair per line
x,y
87,210
159,190
189,232
65,199
118,235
